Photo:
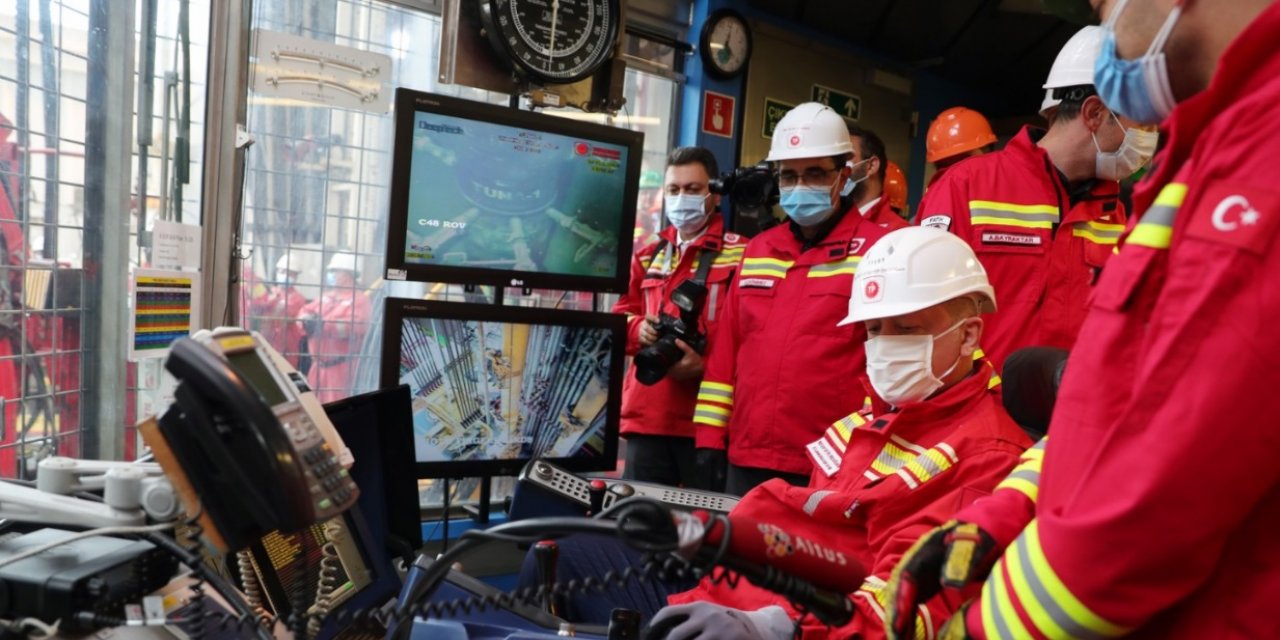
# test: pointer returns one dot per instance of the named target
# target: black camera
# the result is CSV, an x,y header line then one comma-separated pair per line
x,y
748,187
653,361
752,192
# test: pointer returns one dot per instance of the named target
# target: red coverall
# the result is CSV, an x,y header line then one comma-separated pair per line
x,y
882,214
1159,504
344,320
780,353
277,310
1041,252
666,408
901,475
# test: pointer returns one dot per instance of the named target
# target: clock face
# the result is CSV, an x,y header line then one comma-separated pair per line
x,y
727,44
559,41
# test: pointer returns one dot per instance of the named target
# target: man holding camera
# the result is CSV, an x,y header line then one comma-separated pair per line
x,y
678,288
781,370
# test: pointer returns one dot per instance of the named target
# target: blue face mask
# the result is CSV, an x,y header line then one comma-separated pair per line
x,y
330,279
686,212
1138,89
807,206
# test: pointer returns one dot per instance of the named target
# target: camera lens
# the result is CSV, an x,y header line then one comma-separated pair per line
x,y
653,361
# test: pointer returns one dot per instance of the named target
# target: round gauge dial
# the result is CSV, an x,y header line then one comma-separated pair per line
x,y
555,41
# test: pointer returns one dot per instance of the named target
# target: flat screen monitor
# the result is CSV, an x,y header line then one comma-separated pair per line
x,y
486,194
494,387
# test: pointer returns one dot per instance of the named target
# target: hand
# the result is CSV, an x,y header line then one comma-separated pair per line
x,y
708,621
648,334
713,469
953,555
689,367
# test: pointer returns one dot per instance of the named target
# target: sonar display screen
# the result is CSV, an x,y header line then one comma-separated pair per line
x,y
492,196
485,390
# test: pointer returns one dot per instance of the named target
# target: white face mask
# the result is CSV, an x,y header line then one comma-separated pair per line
x,y
686,212
901,367
1134,152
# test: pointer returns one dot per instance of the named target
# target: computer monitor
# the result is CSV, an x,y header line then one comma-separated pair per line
x,y
496,386
486,194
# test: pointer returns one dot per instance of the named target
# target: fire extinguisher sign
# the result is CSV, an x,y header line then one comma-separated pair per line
x,y
717,114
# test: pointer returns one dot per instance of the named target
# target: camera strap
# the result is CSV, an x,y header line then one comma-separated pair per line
x,y
706,258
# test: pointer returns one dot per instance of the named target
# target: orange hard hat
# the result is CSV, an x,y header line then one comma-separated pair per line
x,y
955,131
895,186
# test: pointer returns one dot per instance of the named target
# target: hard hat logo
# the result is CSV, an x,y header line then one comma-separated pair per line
x,y
873,289
794,141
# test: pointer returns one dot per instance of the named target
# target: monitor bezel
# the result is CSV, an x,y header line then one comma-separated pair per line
x,y
409,102
399,309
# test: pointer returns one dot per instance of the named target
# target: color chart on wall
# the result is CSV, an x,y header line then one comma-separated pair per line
x,y
164,309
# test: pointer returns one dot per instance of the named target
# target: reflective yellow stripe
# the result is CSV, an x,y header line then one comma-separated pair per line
x,y
1021,485
1004,622
1155,236
1012,222
929,464
1073,619
712,421
1009,207
845,432
765,267
717,386
1032,216
1171,195
1098,232
848,266
755,272
713,409
715,395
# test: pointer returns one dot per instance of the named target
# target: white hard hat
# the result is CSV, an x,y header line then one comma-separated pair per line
x,y
344,261
811,130
1074,65
915,268
283,264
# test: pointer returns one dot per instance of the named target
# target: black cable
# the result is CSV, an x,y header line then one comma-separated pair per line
x,y
219,584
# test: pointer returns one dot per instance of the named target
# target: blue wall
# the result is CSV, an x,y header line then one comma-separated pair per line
x,y
725,149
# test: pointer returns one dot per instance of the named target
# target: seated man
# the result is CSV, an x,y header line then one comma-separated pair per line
x,y
880,481
941,441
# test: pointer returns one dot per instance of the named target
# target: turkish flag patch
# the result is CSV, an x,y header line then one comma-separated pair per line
x,y
1244,216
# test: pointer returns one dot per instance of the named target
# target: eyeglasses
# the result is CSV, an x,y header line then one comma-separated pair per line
x,y
815,176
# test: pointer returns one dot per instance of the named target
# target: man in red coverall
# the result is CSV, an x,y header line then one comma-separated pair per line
x,y
1043,214
871,168
780,368
335,324
1156,509
657,418
277,309
879,481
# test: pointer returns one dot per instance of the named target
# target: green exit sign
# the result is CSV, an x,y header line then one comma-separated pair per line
x,y
773,112
845,104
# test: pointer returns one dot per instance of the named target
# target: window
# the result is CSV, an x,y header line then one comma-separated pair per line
x,y
316,194
69,209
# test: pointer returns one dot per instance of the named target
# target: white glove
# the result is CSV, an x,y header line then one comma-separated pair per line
x,y
708,621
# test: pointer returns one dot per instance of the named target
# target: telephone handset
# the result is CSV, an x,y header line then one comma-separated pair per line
x,y
249,449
